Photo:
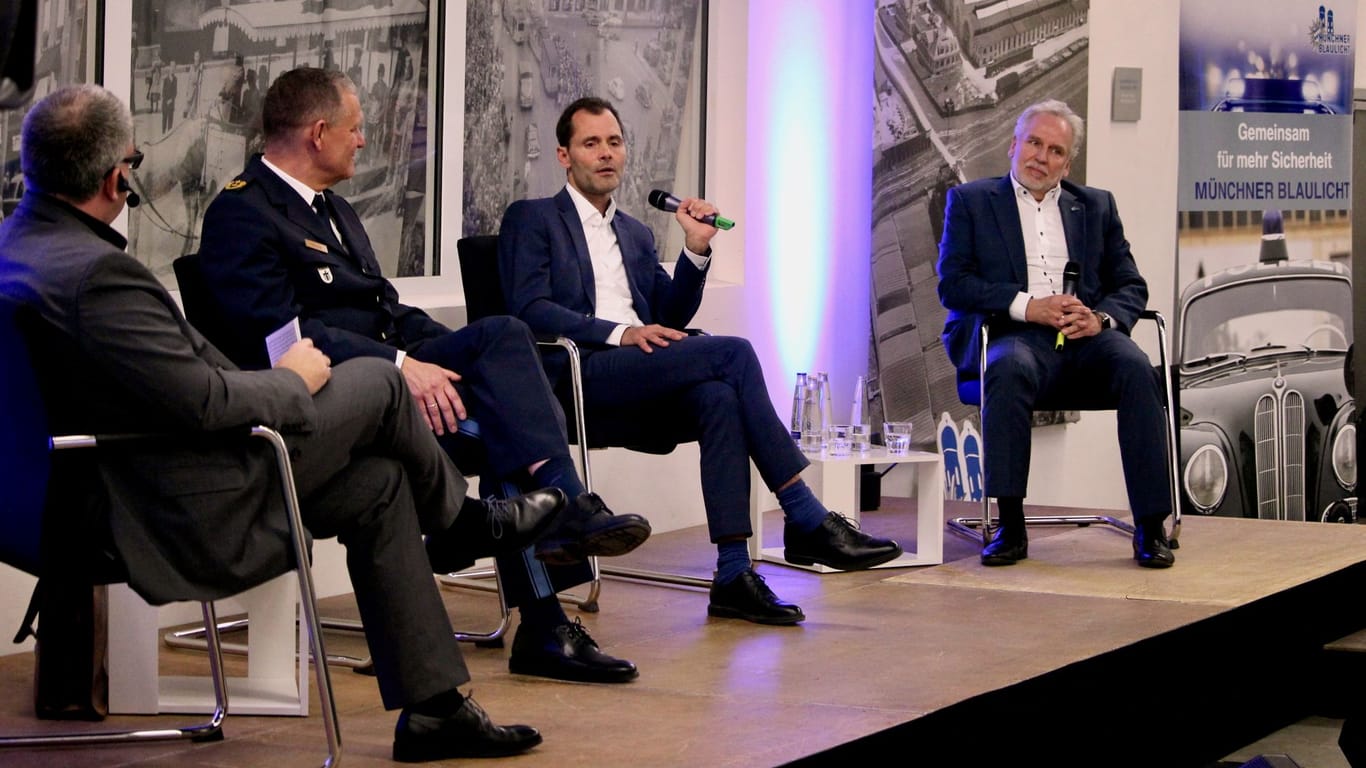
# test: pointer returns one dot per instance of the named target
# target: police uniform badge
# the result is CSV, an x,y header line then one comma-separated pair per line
x,y
325,274
234,185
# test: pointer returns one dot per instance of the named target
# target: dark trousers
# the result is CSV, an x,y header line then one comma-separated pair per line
x,y
1100,372
705,388
505,390
372,474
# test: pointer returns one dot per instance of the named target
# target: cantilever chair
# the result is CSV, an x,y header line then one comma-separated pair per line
x,y
25,456
483,284
970,393
201,309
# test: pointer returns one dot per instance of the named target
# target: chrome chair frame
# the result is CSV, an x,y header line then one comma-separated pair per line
x,y
26,437
212,729
196,638
478,578
970,526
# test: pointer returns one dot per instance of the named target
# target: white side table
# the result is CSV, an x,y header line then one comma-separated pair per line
x,y
276,682
840,492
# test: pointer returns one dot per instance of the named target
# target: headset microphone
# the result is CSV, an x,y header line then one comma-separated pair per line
x,y
134,199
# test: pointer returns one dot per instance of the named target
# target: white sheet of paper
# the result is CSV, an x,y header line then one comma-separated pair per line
x,y
279,342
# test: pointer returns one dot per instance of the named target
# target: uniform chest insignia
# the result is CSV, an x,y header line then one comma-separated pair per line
x,y
315,245
234,184
325,274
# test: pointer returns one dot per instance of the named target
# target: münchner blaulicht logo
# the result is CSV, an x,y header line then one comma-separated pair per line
x,y
1324,38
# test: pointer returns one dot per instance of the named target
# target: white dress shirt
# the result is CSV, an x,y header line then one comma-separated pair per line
x,y
1045,244
612,295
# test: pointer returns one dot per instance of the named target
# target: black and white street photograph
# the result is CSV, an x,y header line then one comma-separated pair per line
x,y
200,69
528,59
61,59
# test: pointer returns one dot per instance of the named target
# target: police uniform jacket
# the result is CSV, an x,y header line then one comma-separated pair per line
x,y
270,257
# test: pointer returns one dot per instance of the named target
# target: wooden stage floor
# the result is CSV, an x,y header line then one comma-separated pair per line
x,y
1074,657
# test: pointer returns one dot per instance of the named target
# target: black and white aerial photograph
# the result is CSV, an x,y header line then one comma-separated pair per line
x,y
950,77
528,59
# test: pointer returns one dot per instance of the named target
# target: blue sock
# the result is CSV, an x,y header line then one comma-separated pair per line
x,y
543,614
491,487
559,472
801,508
732,560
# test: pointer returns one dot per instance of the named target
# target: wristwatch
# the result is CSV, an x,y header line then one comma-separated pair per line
x,y
1105,323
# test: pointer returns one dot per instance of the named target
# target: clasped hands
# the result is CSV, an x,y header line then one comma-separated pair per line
x,y
1065,314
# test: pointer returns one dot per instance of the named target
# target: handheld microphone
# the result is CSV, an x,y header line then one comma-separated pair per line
x,y
1070,273
134,199
668,203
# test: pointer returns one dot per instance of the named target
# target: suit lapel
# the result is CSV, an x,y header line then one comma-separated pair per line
x,y
354,241
292,206
1073,212
1007,212
627,245
343,225
570,216
297,210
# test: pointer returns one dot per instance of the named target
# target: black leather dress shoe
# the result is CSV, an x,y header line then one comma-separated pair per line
x,y
590,529
467,733
1150,546
838,544
749,598
493,527
567,653
1007,547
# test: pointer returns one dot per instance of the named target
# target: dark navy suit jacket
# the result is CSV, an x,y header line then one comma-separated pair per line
x,y
269,257
548,275
982,261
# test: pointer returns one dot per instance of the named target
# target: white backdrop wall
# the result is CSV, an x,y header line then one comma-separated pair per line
x,y
1135,160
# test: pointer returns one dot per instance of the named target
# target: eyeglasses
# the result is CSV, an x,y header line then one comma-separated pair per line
x,y
133,161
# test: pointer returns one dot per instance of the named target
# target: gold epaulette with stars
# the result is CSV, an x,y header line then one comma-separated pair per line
x,y
235,184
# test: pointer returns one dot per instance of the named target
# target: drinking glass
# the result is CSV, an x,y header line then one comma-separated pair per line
x,y
897,437
861,437
841,438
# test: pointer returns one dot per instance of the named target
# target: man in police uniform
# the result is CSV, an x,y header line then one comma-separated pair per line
x,y
278,244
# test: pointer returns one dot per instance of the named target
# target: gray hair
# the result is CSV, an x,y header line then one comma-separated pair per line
x,y
72,139
1060,109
